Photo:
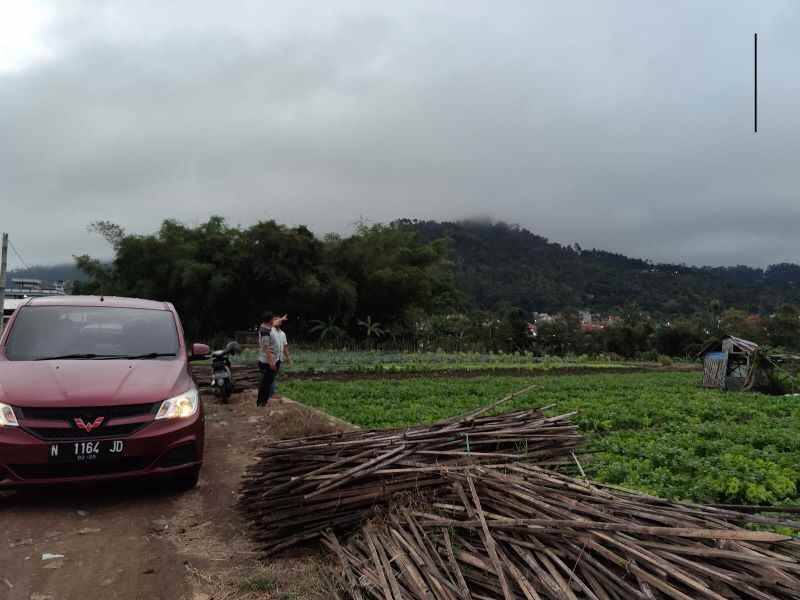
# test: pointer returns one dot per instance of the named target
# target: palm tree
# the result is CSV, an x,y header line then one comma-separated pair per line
x,y
327,328
371,328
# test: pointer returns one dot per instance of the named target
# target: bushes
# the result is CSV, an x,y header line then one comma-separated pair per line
x,y
648,355
678,338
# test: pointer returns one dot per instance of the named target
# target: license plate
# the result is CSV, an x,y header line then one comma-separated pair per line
x,y
87,451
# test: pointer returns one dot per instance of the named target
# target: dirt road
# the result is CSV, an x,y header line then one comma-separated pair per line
x,y
131,542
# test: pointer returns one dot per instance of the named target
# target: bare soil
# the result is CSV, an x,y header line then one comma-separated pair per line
x,y
134,541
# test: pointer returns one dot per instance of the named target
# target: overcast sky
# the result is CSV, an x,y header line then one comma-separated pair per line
x,y
622,125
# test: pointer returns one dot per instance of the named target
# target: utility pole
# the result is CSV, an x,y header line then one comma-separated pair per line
x,y
3,280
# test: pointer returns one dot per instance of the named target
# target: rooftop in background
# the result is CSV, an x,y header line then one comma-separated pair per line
x,y
10,305
31,288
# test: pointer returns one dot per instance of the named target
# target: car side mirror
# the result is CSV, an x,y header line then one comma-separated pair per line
x,y
199,351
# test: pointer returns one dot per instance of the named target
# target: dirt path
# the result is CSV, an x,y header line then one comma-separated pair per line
x,y
129,542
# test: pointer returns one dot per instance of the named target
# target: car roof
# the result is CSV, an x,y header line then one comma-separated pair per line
x,y
99,301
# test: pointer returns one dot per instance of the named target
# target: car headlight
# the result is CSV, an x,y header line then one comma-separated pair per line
x,y
184,405
7,416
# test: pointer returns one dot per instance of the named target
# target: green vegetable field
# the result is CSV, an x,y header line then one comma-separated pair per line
x,y
330,361
656,432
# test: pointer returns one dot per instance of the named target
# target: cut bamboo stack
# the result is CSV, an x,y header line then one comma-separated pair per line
x,y
522,532
300,488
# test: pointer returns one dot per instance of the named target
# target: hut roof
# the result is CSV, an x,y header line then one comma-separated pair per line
x,y
738,343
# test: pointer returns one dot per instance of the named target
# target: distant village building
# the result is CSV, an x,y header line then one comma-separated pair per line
x,y
22,289
9,306
29,288
591,322
588,321
540,318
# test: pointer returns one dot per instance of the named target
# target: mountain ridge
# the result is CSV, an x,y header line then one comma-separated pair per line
x,y
497,264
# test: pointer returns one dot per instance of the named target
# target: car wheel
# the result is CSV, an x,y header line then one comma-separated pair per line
x,y
186,482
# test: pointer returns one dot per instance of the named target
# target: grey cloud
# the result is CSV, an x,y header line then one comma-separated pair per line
x,y
623,125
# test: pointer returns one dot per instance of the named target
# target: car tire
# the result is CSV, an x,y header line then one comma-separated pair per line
x,y
186,482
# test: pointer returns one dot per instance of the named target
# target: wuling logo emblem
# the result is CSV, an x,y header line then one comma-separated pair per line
x,y
88,427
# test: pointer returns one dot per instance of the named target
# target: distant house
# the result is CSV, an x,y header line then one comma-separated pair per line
x,y
22,289
27,288
729,363
9,306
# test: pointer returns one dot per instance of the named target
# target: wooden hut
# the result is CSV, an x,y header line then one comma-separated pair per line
x,y
730,363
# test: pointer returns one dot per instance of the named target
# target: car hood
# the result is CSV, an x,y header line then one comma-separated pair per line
x,y
91,382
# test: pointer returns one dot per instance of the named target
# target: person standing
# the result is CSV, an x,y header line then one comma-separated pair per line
x,y
268,344
283,349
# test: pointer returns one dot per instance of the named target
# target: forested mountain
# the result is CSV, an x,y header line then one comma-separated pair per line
x,y
498,265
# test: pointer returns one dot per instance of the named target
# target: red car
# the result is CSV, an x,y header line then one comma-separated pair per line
x,y
95,389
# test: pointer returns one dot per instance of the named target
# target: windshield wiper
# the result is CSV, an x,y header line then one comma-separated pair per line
x,y
65,356
90,356
143,356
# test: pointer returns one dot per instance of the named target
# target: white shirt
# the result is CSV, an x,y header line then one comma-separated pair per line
x,y
274,342
281,343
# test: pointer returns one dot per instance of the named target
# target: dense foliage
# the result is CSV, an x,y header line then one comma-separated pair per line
x,y
657,432
222,278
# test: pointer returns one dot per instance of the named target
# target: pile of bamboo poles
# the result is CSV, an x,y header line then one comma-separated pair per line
x,y
300,488
518,531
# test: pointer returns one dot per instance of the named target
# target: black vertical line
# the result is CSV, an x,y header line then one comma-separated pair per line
x,y
755,83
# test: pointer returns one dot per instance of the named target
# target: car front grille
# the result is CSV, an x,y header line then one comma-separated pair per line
x,y
60,423
58,470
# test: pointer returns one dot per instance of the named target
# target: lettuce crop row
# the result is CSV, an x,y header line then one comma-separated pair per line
x,y
333,361
659,433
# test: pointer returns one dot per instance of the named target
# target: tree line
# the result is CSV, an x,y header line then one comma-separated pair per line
x,y
469,286
222,278
639,335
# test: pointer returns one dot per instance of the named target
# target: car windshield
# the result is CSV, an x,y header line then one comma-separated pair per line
x,y
79,332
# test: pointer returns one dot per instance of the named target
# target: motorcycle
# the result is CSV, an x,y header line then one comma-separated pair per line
x,y
222,377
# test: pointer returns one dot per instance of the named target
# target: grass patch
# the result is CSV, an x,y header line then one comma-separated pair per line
x,y
259,583
656,432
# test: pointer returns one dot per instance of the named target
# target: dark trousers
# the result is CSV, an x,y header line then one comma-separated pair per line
x,y
267,379
274,387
